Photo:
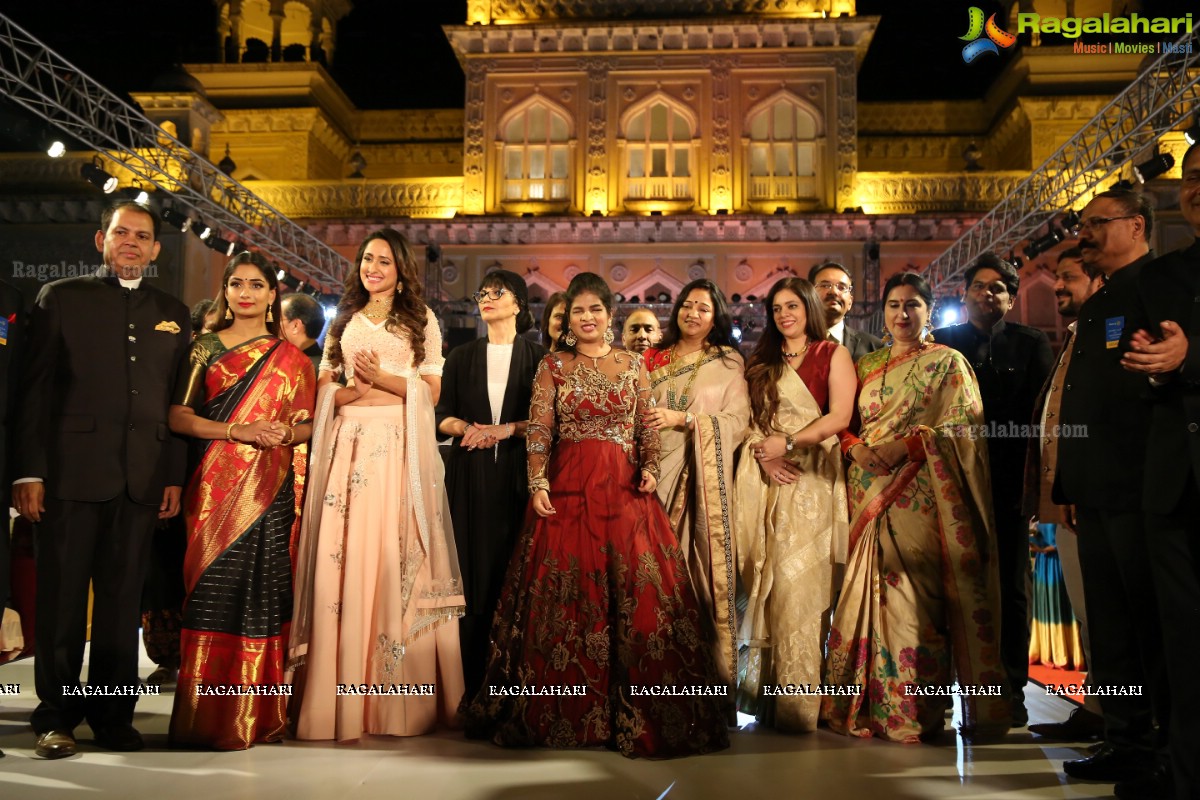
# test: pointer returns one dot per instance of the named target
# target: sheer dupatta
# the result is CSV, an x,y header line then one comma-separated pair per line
x,y
430,506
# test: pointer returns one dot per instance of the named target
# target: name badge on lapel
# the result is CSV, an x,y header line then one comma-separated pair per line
x,y
1113,327
3,330
168,326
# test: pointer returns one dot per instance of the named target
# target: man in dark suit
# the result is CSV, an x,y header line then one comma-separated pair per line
x,y
12,317
1099,474
1011,363
303,321
1075,281
835,287
1169,352
97,466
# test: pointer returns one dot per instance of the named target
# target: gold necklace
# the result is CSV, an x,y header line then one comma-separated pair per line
x,y
803,350
597,359
672,371
378,308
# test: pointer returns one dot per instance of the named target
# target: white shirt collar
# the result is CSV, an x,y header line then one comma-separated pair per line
x,y
838,331
133,284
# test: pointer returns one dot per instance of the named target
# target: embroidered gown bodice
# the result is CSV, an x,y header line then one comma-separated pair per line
x,y
394,349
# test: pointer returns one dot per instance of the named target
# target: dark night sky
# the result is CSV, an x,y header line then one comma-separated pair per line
x,y
392,53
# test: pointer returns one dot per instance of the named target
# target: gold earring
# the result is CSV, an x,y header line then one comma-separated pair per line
x,y
270,315
570,339
608,336
228,313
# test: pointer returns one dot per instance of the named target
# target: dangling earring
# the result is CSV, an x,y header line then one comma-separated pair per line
x,y
888,341
570,338
926,334
399,289
270,315
228,313
608,335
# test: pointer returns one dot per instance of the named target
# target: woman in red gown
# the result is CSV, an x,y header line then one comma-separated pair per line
x,y
598,638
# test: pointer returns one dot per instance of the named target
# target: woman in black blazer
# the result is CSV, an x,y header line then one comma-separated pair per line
x,y
486,389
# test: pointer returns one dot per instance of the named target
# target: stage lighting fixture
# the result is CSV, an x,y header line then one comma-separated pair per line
x,y
142,198
1070,220
173,217
1044,243
223,246
1152,168
56,150
97,177
1192,134
202,230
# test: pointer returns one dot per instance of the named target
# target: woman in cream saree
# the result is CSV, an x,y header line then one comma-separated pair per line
x,y
919,608
701,410
790,506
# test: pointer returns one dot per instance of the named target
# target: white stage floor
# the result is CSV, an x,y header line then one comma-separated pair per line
x,y
760,764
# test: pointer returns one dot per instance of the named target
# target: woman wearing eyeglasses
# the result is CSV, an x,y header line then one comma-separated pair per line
x,y
486,389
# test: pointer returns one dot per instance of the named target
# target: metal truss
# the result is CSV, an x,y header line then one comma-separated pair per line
x,y
48,85
1165,94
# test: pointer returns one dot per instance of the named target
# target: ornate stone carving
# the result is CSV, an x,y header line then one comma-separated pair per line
x,y
619,273
523,11
430,197
908,193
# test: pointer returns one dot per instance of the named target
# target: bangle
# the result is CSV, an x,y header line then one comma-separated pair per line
x,y
229,432
511,429
291,436
467,427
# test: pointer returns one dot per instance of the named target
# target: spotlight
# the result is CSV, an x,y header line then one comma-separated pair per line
x,y
635,299
722,212
279,275
663,297
289,281
97,177
142,198
780,210
1015,259
620,298
1151,169
1191,135
737,329
202,230
173,217
56,150
735,298
220,245
597,212
656,213
329,302
1122,185
1070,220
1039,246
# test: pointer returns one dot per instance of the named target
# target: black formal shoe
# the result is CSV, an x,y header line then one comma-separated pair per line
x,y
1157,786
55,744
1111,765
1020,714
163,676
124,738
1081,726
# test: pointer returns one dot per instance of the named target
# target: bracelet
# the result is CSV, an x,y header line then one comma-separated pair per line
x,y
511,430
467,427
291,436
229,433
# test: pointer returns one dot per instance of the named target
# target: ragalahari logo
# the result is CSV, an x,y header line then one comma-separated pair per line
x,y
997,37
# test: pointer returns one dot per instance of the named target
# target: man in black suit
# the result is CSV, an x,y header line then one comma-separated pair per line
x,y
1074,283
1099,474
1011,363
1169,352
97,466
303,321
835,287
12,317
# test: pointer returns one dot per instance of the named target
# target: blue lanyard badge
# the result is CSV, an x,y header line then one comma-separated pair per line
x,y
1113,326
3,330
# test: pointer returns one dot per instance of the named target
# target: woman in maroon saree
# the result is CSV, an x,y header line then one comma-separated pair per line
x,y
598,640
246,400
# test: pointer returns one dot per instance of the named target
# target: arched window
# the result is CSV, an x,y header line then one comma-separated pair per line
x,y
783,155
658,152
536,154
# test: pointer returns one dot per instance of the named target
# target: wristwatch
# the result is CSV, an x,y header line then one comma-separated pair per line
x,y
688,419
791,445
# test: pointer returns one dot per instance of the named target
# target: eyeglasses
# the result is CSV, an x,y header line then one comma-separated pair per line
x,y
1095,223
489,294
825,286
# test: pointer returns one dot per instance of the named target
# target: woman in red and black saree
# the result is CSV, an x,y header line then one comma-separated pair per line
x,y
920,604
246,400
598,639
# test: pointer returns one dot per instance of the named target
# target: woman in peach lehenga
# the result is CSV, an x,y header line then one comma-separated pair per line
x,y
377,581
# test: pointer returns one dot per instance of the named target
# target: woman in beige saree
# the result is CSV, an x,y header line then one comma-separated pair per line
x,y
790,506
919,607
701,410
